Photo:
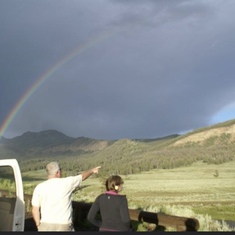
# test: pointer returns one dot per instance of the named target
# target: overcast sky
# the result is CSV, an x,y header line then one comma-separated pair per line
x,y
116,69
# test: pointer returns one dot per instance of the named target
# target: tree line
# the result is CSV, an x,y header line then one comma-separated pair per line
x,y
131,160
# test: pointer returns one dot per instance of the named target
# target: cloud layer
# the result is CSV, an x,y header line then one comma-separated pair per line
x,y
137,69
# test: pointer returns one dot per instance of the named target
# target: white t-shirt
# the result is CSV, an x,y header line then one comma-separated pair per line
x,y
54,196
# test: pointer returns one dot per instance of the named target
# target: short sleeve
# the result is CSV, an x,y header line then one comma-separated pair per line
x,y
75,181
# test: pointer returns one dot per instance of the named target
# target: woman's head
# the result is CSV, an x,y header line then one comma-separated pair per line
x,y
114,183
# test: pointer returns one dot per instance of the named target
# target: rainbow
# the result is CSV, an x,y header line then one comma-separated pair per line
x,y
42,79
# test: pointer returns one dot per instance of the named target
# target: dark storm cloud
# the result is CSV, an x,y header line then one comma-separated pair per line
x,y
143,69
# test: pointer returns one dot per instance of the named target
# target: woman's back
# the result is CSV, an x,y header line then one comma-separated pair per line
x,y
113,208
114,212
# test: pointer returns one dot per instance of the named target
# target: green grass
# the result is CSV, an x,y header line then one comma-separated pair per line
x,y
218,211
193,188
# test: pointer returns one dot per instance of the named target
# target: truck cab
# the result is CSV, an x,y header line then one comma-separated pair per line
x,y
12,204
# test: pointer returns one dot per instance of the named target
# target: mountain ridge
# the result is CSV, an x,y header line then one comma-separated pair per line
x,y
52,142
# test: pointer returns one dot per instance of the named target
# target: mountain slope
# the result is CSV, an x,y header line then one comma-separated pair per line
x,y
216,133
214,144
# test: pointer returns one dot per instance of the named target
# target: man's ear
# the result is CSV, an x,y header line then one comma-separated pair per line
x,y
58,173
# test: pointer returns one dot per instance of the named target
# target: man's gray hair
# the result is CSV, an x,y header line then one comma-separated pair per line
x,y
52,168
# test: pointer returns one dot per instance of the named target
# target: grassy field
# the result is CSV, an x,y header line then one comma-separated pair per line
x,y
191,191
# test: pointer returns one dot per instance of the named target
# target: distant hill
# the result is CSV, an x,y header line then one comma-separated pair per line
x,y
49,142
212,144
54,142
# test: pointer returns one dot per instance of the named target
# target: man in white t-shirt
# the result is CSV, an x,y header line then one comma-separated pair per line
x,y
52,199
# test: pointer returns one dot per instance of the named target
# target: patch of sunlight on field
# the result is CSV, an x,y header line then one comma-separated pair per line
x,y
194,186
182,182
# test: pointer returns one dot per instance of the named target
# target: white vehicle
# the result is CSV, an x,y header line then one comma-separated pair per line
x,y
12,205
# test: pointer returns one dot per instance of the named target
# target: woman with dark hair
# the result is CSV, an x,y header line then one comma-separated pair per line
x,y
112,207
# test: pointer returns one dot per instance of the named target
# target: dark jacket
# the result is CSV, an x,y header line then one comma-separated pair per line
x,y
114,212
